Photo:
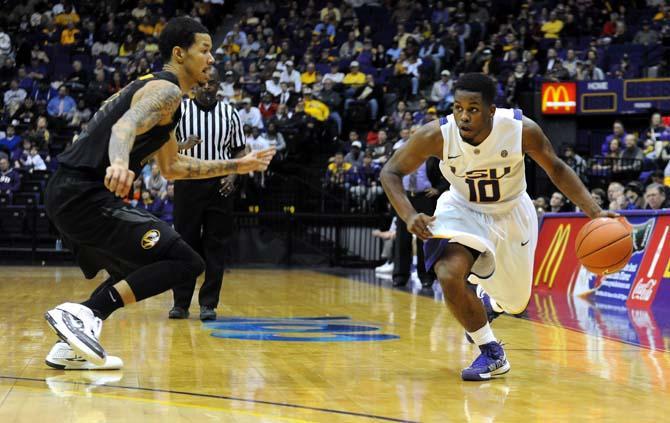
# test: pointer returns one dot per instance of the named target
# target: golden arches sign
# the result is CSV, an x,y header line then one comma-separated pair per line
x,y
553,258
556,97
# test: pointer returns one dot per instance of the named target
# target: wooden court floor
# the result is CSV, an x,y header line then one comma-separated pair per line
x,y
298,345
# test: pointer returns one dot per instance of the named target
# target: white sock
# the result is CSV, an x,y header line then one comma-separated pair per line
x,y
483,335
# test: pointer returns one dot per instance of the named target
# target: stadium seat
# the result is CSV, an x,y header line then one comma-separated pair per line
x,y
25,199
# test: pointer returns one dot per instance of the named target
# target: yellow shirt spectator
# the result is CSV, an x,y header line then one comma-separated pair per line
x,y
309,76
315,108
354,77
65,18
67,37
146,29
552,27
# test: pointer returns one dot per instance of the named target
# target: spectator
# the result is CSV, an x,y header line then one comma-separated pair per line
x,y
34,161
367,189
570,63
310,76
250,115
267,107
40,134
334,75
313,107
61,108
618,132
165,209
27,113
557,202
631,158
552,27
69,35
5,45
355,156
11,141
332,99
599,196
338,174
633,194
655,197
351,47
441,93
588,71
155,184
615,196
383,149
148,203
575,161
291,77
646,36
658,137
274,138
412,65
272,85
354,79
369,94
14,96
330,10
10,179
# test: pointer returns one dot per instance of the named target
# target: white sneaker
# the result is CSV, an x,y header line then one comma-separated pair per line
x,y
385,268
77,325
63,357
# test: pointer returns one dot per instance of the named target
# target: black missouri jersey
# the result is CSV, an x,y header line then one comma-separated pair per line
x,y
91,151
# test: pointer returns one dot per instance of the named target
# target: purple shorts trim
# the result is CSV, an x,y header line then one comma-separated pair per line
x,y
433,250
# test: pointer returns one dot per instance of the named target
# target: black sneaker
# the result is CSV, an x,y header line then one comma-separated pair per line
x,y
178,313
207,313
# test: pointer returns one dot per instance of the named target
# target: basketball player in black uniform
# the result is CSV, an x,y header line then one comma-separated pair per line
x,y
143,255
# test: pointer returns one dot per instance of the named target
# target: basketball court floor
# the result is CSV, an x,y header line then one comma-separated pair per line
x,y
308,346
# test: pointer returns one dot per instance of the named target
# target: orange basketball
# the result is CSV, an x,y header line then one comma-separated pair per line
x,y
604,245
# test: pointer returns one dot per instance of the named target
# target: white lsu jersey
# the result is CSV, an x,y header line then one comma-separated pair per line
x,y
489,177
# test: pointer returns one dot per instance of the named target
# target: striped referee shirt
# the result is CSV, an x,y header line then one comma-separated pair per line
x,y
219,128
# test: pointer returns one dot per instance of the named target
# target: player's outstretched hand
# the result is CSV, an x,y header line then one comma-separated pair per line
x,y
119,179
258,160
418,225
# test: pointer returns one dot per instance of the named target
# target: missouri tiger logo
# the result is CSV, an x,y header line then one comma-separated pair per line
x,y
150,239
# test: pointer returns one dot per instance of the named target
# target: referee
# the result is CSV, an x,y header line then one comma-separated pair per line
x,y
203,208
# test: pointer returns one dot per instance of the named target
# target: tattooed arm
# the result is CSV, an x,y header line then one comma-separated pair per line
x,y
177,166
157,102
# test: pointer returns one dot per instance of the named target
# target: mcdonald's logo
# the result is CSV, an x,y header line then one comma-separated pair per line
x,y
553,258
559,98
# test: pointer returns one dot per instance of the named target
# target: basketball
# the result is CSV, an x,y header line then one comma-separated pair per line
x,y
604,245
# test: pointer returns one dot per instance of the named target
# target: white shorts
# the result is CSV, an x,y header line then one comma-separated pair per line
x,y
506,243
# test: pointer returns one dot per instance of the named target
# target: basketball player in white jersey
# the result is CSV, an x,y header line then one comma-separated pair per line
x,y
484,228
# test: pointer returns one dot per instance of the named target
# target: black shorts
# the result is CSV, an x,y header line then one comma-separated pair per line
x,y
102,230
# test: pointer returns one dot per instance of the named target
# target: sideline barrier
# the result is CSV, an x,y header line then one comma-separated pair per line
x,y
632,305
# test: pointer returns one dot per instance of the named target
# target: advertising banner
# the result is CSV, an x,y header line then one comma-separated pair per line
x,y
645,278
632,305
559,98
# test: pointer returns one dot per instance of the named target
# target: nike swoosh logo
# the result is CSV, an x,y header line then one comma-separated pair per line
x,y
523,244
453,157
111,296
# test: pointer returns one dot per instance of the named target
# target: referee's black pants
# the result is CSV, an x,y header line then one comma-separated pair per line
x,y
402,256
203,217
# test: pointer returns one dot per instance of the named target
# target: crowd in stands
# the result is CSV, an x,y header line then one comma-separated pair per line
x,y
337,85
